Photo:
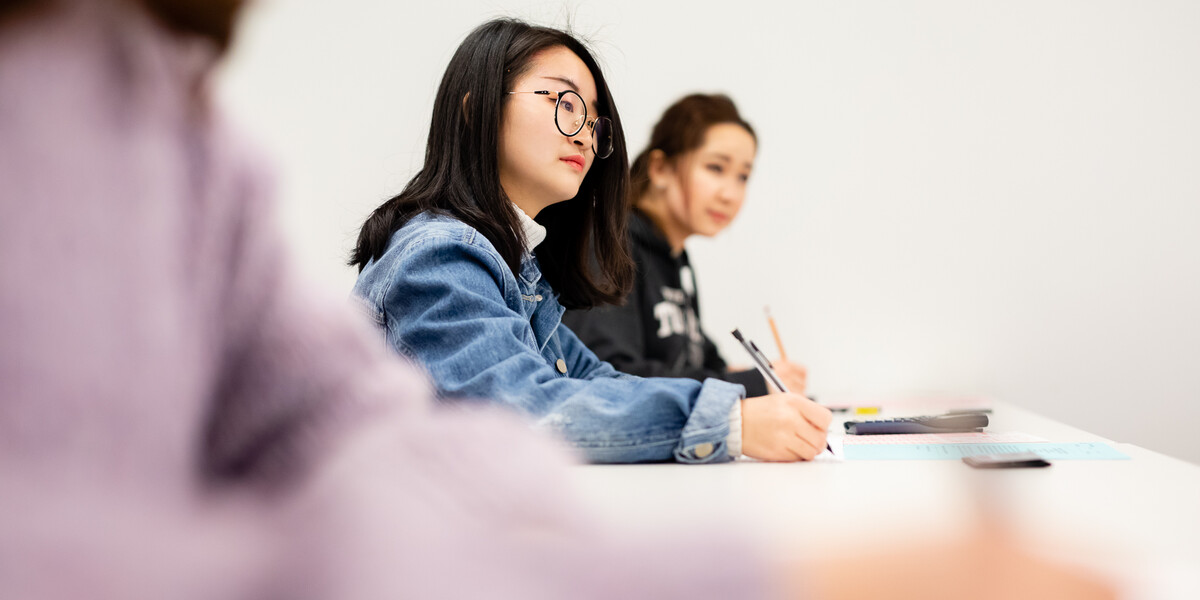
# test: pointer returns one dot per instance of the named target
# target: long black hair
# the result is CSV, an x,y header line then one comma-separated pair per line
x,y
461,174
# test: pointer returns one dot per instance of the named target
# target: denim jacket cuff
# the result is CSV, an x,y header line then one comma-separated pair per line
x,y
733,441
704,438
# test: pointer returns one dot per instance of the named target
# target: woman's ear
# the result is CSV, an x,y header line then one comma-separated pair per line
x,y
660,171
464,108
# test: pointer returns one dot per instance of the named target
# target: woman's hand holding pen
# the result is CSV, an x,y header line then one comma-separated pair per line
x,y
794,376
783,427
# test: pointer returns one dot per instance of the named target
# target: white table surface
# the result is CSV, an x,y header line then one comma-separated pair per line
x,y
1109,512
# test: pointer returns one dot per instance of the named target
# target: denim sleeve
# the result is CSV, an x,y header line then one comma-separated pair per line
x,y
583,362
446,308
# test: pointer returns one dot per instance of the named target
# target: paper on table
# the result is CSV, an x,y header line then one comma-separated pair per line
x,y
979,437
836,447
834,454
1048,450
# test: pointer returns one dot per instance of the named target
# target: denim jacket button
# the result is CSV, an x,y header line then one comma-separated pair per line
x,y
703,450
538,298
561,365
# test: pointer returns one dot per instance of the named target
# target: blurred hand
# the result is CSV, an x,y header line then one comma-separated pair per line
x,y
783,427
983,567
793,375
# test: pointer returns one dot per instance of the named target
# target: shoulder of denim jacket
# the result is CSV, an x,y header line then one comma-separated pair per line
x,y
448,229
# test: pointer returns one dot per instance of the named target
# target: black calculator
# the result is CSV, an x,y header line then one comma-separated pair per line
x,y
934,424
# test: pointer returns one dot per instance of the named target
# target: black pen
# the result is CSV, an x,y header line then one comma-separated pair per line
x,y
764,366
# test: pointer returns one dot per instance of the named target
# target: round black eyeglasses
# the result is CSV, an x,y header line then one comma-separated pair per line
x,y
570,116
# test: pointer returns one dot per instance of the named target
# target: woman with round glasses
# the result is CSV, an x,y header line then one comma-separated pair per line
x,y
690,180
469,268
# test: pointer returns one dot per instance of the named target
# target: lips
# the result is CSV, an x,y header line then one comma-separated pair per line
x,y
575,161
718,217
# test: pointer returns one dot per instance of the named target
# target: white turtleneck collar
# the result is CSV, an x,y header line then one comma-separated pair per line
x,y
535,233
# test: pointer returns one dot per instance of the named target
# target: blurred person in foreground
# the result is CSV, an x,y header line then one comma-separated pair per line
x,y
180,417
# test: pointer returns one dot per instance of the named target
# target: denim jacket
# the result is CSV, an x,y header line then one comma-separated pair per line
x,y
444,296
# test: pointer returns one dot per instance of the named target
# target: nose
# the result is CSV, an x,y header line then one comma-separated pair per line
x,y
731,194
583,139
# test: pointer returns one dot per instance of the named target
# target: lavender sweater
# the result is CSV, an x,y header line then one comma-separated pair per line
x,y
181,417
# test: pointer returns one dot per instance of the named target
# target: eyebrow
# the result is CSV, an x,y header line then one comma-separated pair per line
x,y
567,80
570,84
728,159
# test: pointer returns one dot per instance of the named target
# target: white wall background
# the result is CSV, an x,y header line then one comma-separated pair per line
x,y
997,198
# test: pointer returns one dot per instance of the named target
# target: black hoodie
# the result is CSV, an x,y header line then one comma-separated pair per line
x,y
656,333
